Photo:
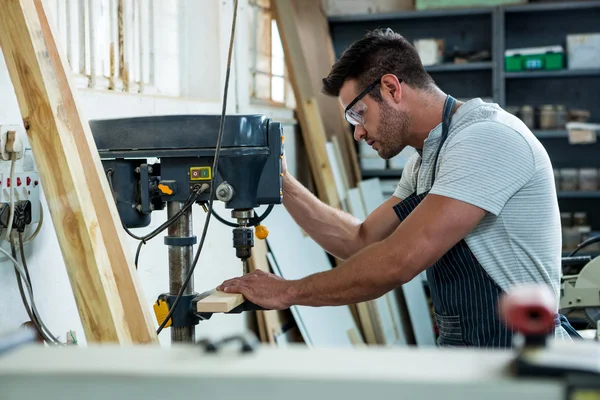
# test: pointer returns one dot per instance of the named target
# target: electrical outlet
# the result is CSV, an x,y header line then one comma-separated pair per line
x,y
26,186
17,145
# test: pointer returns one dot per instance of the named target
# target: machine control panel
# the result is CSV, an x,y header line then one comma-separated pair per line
x,y
200,173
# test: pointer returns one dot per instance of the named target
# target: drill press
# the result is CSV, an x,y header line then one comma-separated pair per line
x,y
166,161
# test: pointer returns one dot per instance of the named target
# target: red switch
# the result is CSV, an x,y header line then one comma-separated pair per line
x,y
35,183
28,181
19,182
7,182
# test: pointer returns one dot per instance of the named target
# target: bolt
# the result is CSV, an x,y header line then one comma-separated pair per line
x,y
139,208
579,300
137,170
150,170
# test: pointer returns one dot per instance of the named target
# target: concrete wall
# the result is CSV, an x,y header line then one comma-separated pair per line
x,y
191,53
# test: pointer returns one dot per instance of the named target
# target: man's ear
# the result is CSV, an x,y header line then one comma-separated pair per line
x,y
390,86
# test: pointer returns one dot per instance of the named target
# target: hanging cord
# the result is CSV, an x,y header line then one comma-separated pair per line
x,y
253,221
588,242
35,315
193,196
214,168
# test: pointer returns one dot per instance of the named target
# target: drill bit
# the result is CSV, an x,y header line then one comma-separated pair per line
x,y
245,266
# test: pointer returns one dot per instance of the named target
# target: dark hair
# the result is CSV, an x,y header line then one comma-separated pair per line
x,y
379,52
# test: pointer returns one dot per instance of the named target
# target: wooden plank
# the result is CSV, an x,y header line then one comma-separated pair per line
x,y
311,121
101,271
313,32
219,302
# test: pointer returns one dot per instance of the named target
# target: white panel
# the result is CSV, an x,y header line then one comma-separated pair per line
x,y
355,204
337,174
384,312
296,257
414,292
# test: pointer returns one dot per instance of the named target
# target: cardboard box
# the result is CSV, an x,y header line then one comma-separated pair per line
x,y
431,51
357,7
583,51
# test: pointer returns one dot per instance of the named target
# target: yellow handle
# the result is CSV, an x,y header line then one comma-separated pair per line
x,y
261,232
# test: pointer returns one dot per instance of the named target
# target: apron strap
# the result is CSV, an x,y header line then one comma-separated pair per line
x,y
446,117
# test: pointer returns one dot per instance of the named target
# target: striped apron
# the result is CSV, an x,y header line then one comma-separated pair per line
x,y
464,296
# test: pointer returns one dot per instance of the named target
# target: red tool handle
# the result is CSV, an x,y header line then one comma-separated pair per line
x,y
529,310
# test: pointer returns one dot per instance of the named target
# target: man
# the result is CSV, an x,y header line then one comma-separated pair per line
x,y
476,206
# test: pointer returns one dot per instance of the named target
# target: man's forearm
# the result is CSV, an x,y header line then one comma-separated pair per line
x,y
367,275
334,230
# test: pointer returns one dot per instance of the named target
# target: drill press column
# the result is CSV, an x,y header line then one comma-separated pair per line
x,y
180,262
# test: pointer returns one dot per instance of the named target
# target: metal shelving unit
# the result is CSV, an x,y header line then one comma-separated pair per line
x,y
472,66
381,173
553,134
579,195
496,29
563,73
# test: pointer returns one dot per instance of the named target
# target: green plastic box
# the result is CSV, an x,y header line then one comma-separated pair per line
x,y
536,58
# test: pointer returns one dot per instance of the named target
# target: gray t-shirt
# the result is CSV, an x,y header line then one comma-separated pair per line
x,y
493,161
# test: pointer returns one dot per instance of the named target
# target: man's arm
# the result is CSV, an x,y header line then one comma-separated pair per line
x,y
436,225
337,232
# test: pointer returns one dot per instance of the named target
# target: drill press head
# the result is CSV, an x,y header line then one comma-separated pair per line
x,y
248,172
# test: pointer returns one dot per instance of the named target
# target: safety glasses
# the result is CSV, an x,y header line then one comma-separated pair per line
x,y
355,111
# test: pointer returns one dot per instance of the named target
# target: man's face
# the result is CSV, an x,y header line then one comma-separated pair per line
x,y
384,125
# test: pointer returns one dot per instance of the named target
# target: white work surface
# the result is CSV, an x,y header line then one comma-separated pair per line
x,y
294,373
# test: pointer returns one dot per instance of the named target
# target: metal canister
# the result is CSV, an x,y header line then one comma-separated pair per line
x,y
561,117
527,116
547,117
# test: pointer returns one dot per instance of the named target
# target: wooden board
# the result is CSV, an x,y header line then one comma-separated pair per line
x,y
219,302
310,19
101,271
413,291
307,107
294,257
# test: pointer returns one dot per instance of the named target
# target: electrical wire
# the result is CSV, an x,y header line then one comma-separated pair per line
x,y
214,168
39,226
32,317
13,160
48,335
253,221
586,243
19,268
191,199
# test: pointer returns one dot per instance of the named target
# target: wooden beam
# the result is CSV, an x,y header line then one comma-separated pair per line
x,y
307,107
310,20
101,270
218,302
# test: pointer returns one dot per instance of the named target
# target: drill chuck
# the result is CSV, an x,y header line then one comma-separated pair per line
x,y
243,241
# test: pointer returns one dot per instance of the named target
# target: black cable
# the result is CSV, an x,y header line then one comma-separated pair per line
x,y
23,297
586,243
193,196
253,221
32,316
214,168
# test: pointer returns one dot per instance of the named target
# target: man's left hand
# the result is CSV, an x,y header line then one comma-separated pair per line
x,y
261,288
